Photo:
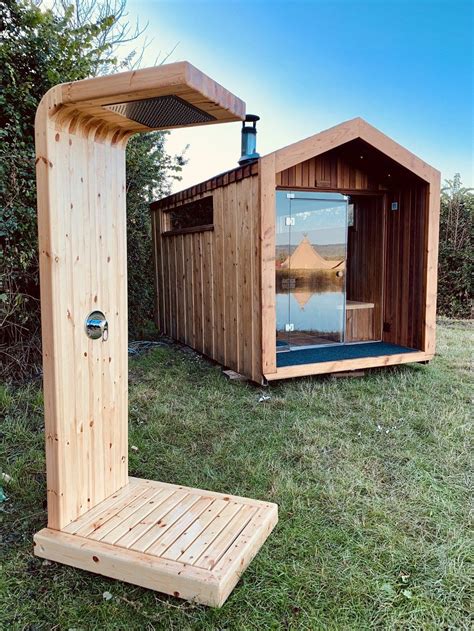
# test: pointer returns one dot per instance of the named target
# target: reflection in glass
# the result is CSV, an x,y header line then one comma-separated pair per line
x,y
310,269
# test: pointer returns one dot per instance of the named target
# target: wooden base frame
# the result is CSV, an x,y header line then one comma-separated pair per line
x,y
324,368
189,543
184,542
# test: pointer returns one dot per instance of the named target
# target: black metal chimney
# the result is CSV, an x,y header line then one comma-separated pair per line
x,y
249,140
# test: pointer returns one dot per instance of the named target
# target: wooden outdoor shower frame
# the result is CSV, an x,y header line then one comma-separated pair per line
x,y
216,285
187,542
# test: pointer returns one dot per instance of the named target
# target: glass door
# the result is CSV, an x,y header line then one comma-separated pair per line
x,y
310,268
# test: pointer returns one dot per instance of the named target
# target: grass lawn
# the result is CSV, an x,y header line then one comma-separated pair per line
x,y
371,476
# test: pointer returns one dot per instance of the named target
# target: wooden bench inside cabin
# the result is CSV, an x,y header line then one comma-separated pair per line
x,y
359,321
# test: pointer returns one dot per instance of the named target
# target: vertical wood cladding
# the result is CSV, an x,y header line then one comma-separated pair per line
x,y
208,282
329,171
405,267
365,255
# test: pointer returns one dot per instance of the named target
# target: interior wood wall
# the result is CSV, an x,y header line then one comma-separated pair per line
x,y
365,256
404,238
208,283
405,267
327,171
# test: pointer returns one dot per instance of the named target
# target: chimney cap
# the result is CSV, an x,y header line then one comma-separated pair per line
x,y
251,118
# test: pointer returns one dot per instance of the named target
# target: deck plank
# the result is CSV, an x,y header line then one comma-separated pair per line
x,y
138,517
209,534
227,537
95,512
147,532
193,530
108,524
179,526
90,525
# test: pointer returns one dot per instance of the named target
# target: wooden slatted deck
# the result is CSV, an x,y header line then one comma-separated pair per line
x,y
184,542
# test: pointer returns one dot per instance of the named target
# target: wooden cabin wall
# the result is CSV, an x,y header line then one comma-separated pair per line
x,y
208,283
365,256
327,171
405,267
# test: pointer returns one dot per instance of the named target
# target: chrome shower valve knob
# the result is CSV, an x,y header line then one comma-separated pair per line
x,y
96,326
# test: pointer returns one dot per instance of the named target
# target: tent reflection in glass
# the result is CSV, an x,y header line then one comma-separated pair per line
x,y
307,257
312,284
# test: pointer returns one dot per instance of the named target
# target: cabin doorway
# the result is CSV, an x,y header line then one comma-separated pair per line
x,y
329,269
311,252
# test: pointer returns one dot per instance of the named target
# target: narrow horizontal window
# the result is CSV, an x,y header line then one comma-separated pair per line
x,y
194,216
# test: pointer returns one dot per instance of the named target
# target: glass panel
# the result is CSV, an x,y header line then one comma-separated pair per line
x,y
316,265
282,252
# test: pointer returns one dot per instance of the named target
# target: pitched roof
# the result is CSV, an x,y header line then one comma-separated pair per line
x,y
302,150
333,137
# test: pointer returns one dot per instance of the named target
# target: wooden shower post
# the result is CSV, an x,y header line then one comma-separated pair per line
x,y
82,129
80,145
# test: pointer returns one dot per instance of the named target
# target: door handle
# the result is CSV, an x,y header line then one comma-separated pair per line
x,y
96,326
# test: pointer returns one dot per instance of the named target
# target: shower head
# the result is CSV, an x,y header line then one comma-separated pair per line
x,y
162,111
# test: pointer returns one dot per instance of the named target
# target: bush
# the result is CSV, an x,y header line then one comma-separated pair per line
x,y
455,270
39,49
149,173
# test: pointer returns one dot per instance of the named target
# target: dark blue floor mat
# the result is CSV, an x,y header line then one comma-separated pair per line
x,y
336,353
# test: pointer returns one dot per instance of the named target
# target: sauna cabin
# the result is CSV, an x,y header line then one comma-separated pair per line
x,y
319,257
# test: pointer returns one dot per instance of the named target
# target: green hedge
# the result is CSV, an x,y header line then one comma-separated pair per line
x,y
455,270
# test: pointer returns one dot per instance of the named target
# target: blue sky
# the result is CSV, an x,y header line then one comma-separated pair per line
x,y
404,66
